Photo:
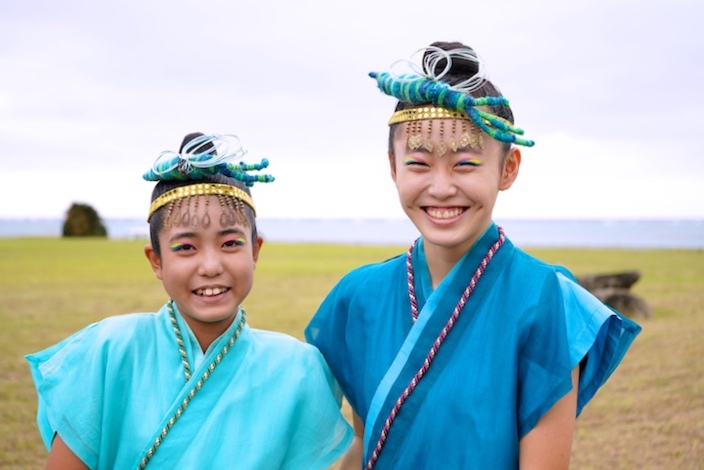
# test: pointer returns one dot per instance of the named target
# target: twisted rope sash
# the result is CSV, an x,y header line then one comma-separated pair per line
x,y
438,341
410,281
179,341
187,372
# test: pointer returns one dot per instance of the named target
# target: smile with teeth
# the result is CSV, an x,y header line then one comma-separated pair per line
x,y
444,212
209,292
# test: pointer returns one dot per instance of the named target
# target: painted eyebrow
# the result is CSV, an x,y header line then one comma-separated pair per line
x,y
231,231
221,233
181,235
420,149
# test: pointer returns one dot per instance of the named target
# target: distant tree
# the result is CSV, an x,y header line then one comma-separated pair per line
x,y
83,221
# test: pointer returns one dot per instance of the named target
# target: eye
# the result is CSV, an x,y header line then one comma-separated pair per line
x,y
469,162
414,161
182,247
239,241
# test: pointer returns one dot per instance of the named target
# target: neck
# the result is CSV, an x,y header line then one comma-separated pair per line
x,y
206,333
440,262
442,259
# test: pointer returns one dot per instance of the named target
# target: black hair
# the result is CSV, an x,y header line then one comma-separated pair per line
x,y
156,223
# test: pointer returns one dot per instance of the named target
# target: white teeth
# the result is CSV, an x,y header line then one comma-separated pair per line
x,y
210,292
444,213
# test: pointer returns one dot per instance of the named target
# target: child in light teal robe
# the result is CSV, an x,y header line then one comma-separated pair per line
x,y
191,386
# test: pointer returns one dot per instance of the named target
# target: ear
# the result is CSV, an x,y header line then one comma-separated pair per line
x,y
510,170
154,260
392,165
256,248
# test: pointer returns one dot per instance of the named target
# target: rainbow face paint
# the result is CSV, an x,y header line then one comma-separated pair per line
x,y
470,162
412,161
178,246
236,241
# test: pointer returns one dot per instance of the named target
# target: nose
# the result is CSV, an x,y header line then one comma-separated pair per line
x,y
210,263
442,184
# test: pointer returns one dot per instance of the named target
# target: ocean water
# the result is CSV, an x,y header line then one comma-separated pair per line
x,y
633,234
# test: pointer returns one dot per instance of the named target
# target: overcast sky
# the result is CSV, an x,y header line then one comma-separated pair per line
x,y
91,92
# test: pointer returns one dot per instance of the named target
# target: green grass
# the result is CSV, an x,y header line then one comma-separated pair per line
x,y
649,415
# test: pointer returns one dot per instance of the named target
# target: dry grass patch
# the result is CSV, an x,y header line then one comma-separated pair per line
x,y
650,415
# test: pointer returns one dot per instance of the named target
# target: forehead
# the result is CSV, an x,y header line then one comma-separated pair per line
x,y
193,189
207,212
444,126
439,135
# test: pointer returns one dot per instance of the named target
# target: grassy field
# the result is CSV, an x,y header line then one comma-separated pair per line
x,y
650,415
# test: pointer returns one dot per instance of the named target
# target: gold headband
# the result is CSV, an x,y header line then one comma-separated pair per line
x,y
426,112
200,189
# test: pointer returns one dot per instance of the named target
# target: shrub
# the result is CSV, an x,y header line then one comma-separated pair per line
x,y
83,221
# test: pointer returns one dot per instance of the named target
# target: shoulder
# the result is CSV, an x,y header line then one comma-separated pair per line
x,y
282,345
369,275
525,260
84,356
127,321
353,293
373,269
101,339
533,292
274,349
121,329
275,339
528,270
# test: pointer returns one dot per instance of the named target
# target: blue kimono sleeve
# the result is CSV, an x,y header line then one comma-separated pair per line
x,y
572,328
78,384
599,337
68,404
328,331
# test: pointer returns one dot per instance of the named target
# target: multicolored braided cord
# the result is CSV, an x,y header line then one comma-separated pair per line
x,y
198,385
438,341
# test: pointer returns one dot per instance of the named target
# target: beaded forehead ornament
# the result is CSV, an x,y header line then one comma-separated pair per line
x,y
423,86
201,157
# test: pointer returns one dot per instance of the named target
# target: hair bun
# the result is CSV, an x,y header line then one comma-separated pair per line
x,y
460,69
201,148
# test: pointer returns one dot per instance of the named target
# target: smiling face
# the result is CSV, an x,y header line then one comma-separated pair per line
x,y
207,271
450,198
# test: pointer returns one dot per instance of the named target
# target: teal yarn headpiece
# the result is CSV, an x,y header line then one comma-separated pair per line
x,y
422,88
207,155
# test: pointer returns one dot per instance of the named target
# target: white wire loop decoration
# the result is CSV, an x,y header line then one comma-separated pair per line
x,y
431,57
226,148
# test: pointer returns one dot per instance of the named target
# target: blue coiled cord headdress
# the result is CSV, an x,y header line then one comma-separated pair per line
x,y
201,157
207,155
424,86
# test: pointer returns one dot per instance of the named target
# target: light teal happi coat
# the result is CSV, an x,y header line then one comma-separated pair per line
x,y
109,389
